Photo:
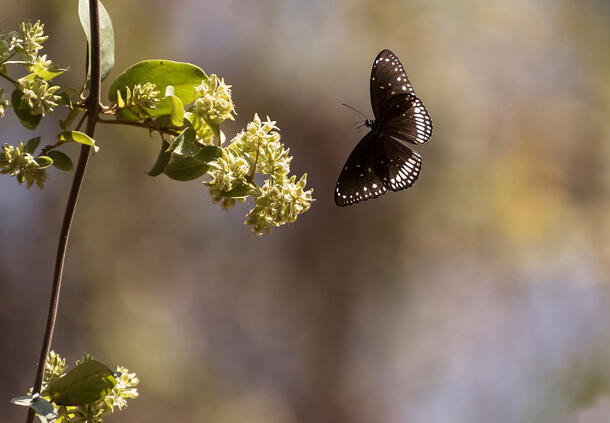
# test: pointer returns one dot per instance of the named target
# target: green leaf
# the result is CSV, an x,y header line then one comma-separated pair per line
x,y
32,145
170,106
60,160
183,77
106,37
27,119
177,111
84,384
28,77
79,137
64,99
43,162
239,191
186,169
43,408
209,153
163,121
185,144
63,124
162,160
46,73
119,101
66,95
215,129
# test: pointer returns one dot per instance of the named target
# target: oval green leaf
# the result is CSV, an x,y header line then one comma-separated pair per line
x,y
215,130
185,144
209,153
43,162
183,77
63,124
27,119
162,160
64,99
106,37
60,160
32,145
239,191
46,72
177,111
79,137
186,169
84,384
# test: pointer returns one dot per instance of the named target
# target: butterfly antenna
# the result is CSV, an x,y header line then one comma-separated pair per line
x,y
357,111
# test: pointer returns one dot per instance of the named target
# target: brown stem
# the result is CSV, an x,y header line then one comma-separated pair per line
x,y
146,125
50,147
92,111
8,78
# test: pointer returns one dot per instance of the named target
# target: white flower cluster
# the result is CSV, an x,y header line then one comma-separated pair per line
x,y
259,150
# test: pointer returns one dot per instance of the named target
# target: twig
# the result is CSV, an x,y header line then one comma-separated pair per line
x,y
8,78
92,111
140,125
50,147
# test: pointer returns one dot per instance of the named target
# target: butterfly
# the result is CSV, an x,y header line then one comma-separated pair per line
x,y
380,162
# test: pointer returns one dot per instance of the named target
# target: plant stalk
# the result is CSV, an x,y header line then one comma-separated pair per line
x,y
149,126
93,102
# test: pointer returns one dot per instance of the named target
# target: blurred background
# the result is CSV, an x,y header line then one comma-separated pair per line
x,y
479,295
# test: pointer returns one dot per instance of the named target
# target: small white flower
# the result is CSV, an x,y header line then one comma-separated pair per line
x,y
214,100
38,96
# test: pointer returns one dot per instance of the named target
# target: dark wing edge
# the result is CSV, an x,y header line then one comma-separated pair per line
x,y
359,180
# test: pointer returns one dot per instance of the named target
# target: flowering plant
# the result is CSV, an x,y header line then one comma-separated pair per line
x,y
147,96
185,107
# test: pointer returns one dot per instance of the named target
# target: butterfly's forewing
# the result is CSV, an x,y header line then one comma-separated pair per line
x,y
359,179
388,78
400,166
406,118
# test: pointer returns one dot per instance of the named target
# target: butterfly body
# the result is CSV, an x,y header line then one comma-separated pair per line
x,y
376,125
380,161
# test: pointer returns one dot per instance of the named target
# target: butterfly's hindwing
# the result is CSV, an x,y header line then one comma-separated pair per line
x,y
400,166
359,180
388,78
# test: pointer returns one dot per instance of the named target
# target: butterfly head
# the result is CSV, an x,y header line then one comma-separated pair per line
x,y
376,125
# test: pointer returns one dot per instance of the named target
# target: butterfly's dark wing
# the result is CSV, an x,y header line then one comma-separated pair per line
x,y
378,163
407,119
395,103
388,78
400,166
359,179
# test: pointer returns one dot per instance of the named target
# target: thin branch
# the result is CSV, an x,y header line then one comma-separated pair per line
x,y
92,111
8,78
80,122
146,125
50,147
